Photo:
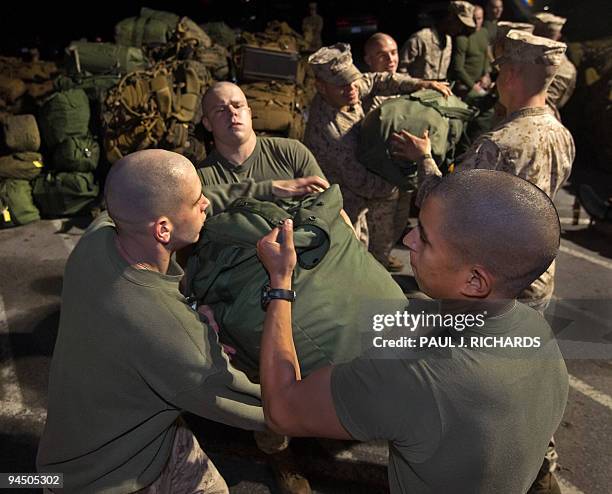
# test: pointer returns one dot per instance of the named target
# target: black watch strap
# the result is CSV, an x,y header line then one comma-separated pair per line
x,y
268,294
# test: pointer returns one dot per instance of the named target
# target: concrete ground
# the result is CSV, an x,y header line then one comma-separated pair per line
x,y
32,259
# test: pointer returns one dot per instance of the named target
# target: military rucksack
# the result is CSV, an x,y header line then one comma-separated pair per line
x,y
64,193
21,133
64,114
77,154
444,117
25,165
105,58
151,27
16,205
338,283
154,108
275,107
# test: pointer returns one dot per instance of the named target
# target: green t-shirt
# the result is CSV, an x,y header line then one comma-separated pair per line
x,y
274,158
130,356
460,420
470,57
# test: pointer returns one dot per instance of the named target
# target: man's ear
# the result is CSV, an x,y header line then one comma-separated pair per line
x,y
478,283
162,230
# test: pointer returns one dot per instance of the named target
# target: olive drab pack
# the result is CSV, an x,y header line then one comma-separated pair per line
x,y
76,154
25,165
154,108
64,114
21,133
276,107
64,193
445,118
151,27
105,58
336,280
220,33
16,205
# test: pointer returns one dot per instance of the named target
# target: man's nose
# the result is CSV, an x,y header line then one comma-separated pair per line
x,y
409,239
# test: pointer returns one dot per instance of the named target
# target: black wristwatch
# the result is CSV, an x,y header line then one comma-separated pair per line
x,y
268,294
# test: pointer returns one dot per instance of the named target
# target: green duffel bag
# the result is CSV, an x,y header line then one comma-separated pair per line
x,y
445,118
220,33
21,133
77,154
152,27
339,284
64,114
95,86
105,58
25,166
64,193
16,205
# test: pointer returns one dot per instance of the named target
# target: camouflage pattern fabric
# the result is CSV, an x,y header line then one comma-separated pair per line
x,y
189,470
426,54
333,136
532,144
563,84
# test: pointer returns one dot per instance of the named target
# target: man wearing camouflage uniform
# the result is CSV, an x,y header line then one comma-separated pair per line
x,y
564,83
427,53
332,134
530,143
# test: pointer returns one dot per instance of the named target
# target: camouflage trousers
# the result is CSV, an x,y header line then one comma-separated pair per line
x,y
189,470
386,219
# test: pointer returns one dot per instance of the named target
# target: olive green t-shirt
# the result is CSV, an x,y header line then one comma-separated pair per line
x,y
274,158
460,420
130,356
470,57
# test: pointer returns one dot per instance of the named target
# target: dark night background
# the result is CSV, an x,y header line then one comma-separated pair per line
x,y
50,26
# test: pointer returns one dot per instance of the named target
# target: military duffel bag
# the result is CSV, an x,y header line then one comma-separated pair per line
x,y
151,27
339,285
106,58
64,114
77,154
273,105
25,165
21,133
444,117
64,193
16,205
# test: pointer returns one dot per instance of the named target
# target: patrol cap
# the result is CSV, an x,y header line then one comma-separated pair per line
x,y
503,27
334,64
522,47
547,24
464,11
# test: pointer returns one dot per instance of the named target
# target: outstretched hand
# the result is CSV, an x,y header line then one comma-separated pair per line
x,y
208,316
441,87
407,146
299,186
276,252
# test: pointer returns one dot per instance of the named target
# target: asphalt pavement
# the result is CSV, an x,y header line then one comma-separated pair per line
x,y
32,259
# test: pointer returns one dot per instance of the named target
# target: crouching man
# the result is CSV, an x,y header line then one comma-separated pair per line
x,y
467,419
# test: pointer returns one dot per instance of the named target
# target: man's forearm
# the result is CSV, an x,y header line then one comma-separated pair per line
x,y
279,367
428,176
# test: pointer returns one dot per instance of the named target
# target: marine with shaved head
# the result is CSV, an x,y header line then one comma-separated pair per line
x,y
278,167
475,413
131,355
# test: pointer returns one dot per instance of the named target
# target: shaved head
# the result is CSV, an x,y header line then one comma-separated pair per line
x,y
145,185
380,53
500,221
217,91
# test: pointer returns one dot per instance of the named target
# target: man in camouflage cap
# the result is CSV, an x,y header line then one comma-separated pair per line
x,y
530,143
563,84
427,53
332,134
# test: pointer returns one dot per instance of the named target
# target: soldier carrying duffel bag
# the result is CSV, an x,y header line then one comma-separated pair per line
x,y
338,283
